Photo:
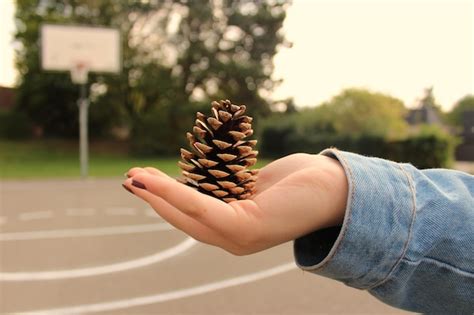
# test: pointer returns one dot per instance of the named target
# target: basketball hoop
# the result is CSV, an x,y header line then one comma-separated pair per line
x,y
79,73
81,49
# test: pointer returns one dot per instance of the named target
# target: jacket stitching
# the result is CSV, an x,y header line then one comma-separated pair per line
x,y
440,263
410,230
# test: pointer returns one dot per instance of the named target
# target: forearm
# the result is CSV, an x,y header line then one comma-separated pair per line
x,y
392,227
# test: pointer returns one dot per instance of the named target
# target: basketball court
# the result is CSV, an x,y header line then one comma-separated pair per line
x,y
86,246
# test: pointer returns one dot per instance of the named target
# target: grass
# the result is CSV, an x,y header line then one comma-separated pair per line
x,y
60,159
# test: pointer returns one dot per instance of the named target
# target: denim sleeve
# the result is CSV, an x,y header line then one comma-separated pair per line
x,y
407,236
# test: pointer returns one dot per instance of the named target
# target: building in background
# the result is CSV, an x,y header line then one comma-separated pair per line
x,y
426,113
429,113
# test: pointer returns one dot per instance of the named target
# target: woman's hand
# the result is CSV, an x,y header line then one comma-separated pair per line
x,y
295,195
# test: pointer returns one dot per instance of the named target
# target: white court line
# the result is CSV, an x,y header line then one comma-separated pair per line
x,y
101,231
80,212
120,211
100,270
150,213
27,216
169,296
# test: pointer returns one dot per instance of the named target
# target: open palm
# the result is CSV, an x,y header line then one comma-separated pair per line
x,y
294,195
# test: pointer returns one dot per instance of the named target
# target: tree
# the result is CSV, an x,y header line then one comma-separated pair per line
x,y
455,115
176,54
356,120
356,112
49,99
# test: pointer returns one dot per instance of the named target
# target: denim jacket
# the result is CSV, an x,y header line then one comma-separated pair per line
x,y
407,236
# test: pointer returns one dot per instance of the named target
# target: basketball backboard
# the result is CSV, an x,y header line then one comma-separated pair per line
x,y
64,47
81,49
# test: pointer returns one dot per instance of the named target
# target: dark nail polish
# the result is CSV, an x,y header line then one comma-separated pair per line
x,y
138,184
127,189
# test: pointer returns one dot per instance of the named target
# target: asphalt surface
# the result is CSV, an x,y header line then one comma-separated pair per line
x,y
88,246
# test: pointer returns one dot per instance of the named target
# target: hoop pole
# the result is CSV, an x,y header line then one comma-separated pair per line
x,y
83,104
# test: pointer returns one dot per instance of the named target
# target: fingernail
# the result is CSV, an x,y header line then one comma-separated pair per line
x,y
126,175
138,184
127,189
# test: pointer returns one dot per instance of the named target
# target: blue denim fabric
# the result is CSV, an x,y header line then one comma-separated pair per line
x,y
407,236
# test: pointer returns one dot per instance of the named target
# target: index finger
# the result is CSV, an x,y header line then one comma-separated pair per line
x,y
135,170
208,210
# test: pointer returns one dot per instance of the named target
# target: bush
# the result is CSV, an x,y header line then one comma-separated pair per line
x,y
162,131
426,150
153,134
14,125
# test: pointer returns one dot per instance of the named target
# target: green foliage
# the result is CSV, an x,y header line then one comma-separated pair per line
x,y
175,53
454,117
54,158
48,98
357,121
423,150
153,135
50,102
14,125
59,158
275,134
356,112
351,114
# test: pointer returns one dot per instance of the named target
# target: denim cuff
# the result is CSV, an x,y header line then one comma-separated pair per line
x,y
374,236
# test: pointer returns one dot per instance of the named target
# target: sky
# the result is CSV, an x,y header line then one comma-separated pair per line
x,y
7,29
398,47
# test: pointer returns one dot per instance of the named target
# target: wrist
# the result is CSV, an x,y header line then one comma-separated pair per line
x,y
336,186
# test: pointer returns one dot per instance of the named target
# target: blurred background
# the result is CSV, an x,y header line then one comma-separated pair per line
x,y
389,78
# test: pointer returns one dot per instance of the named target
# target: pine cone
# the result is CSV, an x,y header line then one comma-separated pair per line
x,y
218,164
